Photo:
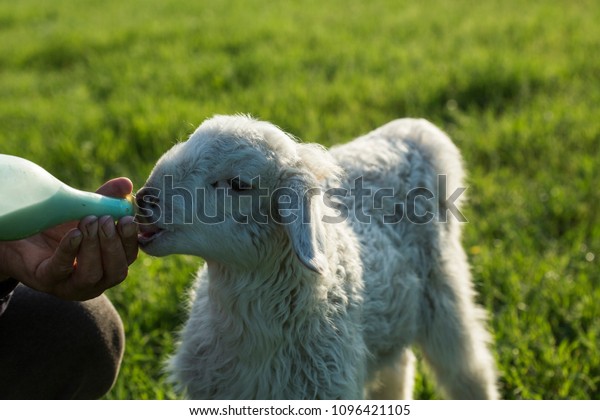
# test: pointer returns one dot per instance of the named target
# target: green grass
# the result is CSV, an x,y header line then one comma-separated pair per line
x,y
92,90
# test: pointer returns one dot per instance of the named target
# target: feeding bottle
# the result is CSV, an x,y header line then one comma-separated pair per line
x,y
32,200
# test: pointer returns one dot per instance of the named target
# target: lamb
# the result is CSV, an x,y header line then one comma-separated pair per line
x,y
322,268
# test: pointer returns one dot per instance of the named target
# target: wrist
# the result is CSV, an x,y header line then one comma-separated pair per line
x,y
4,277
6,256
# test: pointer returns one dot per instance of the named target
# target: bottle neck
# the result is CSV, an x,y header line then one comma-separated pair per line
x,y
83,203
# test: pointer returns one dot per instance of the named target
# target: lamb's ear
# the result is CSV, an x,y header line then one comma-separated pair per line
x,y
301,218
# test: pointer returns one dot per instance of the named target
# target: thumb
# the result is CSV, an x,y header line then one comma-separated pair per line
x,y
60,266
117,187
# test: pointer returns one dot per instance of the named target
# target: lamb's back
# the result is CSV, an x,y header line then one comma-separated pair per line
x,y
398,167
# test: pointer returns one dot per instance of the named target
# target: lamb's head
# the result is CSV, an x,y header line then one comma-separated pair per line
x,y
229,190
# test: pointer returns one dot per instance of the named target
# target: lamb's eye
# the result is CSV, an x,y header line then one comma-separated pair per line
x,y
236,184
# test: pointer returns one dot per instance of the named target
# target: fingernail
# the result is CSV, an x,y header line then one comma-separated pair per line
x,y
130,229
91,225
128,226
108,226
76,238
89,219
126,220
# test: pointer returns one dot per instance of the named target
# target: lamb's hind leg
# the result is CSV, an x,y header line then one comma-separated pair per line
x,y
455,342
395,382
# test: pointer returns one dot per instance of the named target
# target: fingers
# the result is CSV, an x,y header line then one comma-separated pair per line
x,y
128,232
127,229
89,268
96,255
114,260
105,253
89,259
61,265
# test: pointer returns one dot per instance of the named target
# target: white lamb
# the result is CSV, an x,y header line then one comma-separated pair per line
x,y
347,258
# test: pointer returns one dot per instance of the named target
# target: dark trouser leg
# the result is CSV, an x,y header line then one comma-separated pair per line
x,y
56,349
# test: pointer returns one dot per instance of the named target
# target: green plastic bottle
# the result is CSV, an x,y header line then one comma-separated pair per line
x,y
32,200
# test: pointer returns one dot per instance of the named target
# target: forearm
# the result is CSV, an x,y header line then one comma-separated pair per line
x,y
11,261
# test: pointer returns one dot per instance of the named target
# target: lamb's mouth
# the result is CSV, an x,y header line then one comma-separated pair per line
x,y
148,233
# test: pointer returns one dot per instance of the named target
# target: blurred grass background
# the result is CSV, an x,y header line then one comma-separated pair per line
x,y
93,90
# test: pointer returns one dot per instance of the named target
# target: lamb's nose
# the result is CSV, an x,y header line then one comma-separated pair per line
x,y
147,200
146,196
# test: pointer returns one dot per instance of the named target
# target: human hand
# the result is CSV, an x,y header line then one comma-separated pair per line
x,y
76,260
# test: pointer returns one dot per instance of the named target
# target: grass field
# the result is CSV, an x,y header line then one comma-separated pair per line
x,y
92,90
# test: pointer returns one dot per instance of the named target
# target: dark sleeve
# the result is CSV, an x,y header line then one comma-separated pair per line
x,y
6,289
